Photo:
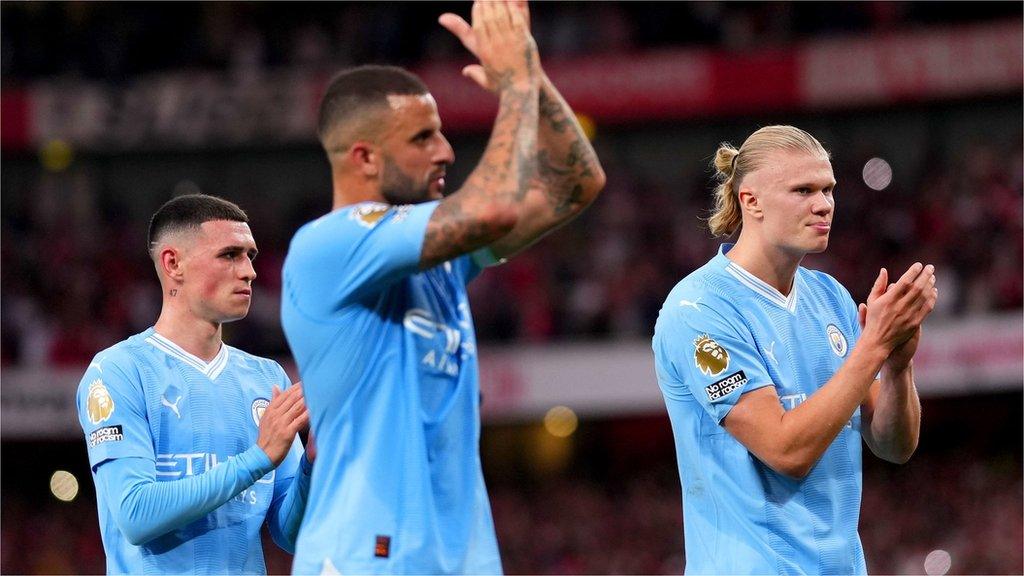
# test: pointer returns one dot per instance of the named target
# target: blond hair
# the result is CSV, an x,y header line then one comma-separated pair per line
x,y
731,165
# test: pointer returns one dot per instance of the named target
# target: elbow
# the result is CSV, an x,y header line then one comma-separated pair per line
x,y
796,464
133,533
131,525
590,187
598,181
496,221
793,468
902,455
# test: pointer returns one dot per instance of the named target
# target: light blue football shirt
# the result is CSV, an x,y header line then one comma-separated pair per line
x,y
388,361
147,402
723,332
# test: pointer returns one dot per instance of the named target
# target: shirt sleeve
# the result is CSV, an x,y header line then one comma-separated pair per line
x,y
707,355
291,487
112,411
289,501
144,508
354,253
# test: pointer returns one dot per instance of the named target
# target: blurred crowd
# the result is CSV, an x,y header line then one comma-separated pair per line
x,y
77,278
115,42
970,507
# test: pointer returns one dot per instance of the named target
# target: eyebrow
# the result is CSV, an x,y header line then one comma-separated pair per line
x,y
422,134
805,184
228,249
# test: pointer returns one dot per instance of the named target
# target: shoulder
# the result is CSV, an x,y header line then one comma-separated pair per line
x,y
266,367
115,370
824,283
698,302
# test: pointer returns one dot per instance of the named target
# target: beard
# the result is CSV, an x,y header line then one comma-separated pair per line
x,y
398,188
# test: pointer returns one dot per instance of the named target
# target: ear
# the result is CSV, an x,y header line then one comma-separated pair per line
x,y
749,202
366,157
171,265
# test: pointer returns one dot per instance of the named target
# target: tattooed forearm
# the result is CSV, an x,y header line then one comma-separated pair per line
x,y
486,207
565,145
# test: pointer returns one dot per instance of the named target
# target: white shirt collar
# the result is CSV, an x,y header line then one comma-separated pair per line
x,y
211,370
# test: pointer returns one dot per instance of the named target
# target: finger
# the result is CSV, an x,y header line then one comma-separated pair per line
x,y
299,423
476,73
523,7
515,14
477,15
919,289
909,276
487,24
275,392
862,315
460,28
878,288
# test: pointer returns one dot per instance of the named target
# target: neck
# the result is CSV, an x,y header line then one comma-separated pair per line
x,y
768,263
201,338
349,189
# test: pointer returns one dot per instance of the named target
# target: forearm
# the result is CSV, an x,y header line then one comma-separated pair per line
x,y
504,170
810,428
145,509
285,515
486,207
567,166
894,420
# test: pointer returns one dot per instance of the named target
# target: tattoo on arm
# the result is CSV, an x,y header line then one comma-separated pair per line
x,y
502,178
565,159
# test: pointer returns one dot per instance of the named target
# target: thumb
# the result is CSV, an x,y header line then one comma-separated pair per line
x,y
862,315
458,26
476,73
879,286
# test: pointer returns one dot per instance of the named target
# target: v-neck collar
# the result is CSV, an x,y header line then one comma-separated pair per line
x,y
211,370
759,286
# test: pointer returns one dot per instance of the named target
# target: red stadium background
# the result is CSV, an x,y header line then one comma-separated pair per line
x,y
107,110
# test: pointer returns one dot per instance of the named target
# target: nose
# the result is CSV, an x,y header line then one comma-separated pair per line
x,y
823,204
445,153
247,271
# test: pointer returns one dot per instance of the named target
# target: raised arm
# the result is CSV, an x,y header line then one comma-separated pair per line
x,y
485,208
891,411
791,442
567,175
567,179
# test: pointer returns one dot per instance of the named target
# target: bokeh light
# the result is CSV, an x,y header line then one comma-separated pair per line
x,y
64,485
877,174
560,421
937,562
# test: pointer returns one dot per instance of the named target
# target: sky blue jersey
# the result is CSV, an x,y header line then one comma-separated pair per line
x,y
181,487
388,360
723,332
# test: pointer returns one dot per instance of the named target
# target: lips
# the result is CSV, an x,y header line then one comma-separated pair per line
x,y
244,292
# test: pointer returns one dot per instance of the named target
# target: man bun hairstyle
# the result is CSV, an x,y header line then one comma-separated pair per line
x,y
189,212
353,92
732,165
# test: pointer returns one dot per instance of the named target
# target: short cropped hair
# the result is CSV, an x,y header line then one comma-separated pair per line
x,y
353,92
190,211
731,165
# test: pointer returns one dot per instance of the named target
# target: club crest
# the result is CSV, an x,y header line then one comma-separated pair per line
x,y
100,405
259,406
836,340
711,358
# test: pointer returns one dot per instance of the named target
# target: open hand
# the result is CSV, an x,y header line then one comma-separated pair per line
x,y
896,311
283,419
498,25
